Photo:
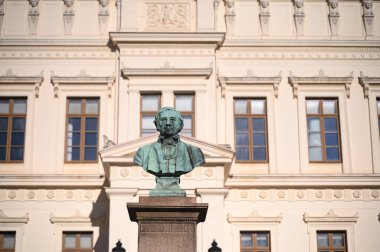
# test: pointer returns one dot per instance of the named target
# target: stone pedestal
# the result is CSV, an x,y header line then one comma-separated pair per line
x,y
167,224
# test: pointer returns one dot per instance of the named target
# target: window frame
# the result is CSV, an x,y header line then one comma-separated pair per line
x,y
2,241
322,117
77,241
331,247
148,113
255,248
10,115
83,116
250,116
192,112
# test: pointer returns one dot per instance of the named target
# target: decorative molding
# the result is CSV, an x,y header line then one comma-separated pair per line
x,y
52,42
299,16
1,13
264,17
82,79
330,217
216,14
77,217
68,16
366,82
306,45
368,17
103,16
166,71
168,16
334,17
33,16
230,16
7,219
321,79
249,80
10,79
254,217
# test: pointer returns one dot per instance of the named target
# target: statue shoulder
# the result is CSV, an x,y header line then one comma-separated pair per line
x,y
196,155
141,154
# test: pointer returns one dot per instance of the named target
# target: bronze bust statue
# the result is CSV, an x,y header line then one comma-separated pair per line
x,y
169,157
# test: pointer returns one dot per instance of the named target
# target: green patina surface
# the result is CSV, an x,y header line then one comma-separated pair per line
x,y
169,157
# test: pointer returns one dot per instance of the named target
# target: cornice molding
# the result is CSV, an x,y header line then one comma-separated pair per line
x,y
82,79
10,79
53,42
7,219
167,38
59,180
169,72
321,79
254,217
77,217
330,217
249,80
368,82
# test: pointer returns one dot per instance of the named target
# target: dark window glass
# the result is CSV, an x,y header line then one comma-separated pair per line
x,y
77,242
323,130
12,129
331,241
378,112
255,241
251,131
150,105
7,241
82,129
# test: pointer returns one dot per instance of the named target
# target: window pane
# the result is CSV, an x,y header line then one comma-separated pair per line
x,y
242,139
329,107
18,124
150,103
312,107
69,241
2,153
315,139
258,139
75,106
184,102
4,123
241,107
19,106
242,153
258,107
17,138
147,122
315,153
92,106
91,124
73,153
187,132
246,240
241,124
313,124
322,240
74,124
73,138
187,121
331,124
262,240
9,241
258,124
86,241
91,139
90,153
338,240
4,106
331,139
378,107
3,138
17,153
332,154
259,154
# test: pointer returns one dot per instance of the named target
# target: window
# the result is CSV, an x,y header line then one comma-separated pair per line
x,y
7,241
184,103
378,113
12,129
251,130
323,130
331,241
257,241
150,105
77,242
82,129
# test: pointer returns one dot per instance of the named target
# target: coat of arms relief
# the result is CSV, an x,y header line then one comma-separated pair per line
x,y
170,16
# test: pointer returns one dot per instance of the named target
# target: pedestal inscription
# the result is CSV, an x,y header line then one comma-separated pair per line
x,y
167,224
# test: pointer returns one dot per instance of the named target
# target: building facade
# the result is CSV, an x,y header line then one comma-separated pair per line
x,y
283,98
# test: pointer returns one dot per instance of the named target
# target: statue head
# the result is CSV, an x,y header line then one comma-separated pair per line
x,y
367,4
103,3
334,3
33,3
168,122
69,3
264,3
299,3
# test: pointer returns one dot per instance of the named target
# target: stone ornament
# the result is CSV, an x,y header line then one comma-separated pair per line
x,y
230,16
299,16
33,16
264,17
68,16
1,13
103,16
168,16
334,17
169,157
368,17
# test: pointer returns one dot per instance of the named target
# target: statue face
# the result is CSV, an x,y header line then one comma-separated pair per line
x,y
33,3
299,4
169,122
103,3
368,5
265,3
69,3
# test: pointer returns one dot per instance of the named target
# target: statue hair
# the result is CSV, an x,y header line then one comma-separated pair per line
x,y
157,118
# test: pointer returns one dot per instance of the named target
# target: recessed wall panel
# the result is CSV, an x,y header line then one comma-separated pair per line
x,y
51,18
86,18
281,19
247,21
376,22
351,23
15,18
316,20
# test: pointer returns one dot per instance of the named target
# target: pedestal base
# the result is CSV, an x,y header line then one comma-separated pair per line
x,y
167,224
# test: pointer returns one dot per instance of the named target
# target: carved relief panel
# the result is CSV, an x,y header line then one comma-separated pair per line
x,y
163,15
